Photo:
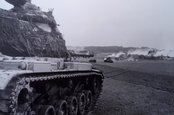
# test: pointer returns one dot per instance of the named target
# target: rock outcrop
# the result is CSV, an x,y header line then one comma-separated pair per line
x,y
25,30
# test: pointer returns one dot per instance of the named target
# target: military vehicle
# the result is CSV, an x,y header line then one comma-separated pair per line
x,y
35,79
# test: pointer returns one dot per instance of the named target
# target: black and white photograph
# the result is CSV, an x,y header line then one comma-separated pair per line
x,y
86,57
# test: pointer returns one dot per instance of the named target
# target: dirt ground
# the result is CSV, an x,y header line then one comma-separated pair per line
x,y
136,90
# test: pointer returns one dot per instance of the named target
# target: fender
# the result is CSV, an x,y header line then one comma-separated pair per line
x,y
7,75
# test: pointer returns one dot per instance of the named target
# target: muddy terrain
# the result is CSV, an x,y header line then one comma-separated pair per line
x,y
137,88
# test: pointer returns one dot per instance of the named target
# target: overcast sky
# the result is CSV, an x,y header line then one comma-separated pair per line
x,y
113,22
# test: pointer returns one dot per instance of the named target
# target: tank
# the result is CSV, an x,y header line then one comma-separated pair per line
x,y
35,78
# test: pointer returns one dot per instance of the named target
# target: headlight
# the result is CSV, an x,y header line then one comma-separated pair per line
x,y
23,66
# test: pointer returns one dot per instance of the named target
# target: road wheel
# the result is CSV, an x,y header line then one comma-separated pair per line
x,y
88,96
81,103
47,110
73,105
62,108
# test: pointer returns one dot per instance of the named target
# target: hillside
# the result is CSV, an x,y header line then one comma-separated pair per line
x,y
111,49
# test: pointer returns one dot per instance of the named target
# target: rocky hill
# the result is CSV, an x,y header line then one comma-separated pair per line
x,y
25,30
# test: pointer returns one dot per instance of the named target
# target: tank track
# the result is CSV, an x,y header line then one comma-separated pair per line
x,y
23,97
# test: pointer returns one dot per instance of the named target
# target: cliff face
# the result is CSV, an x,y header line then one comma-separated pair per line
x,y
25,30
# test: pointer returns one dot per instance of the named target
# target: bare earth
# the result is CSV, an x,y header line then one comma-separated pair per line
x,y
137,88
